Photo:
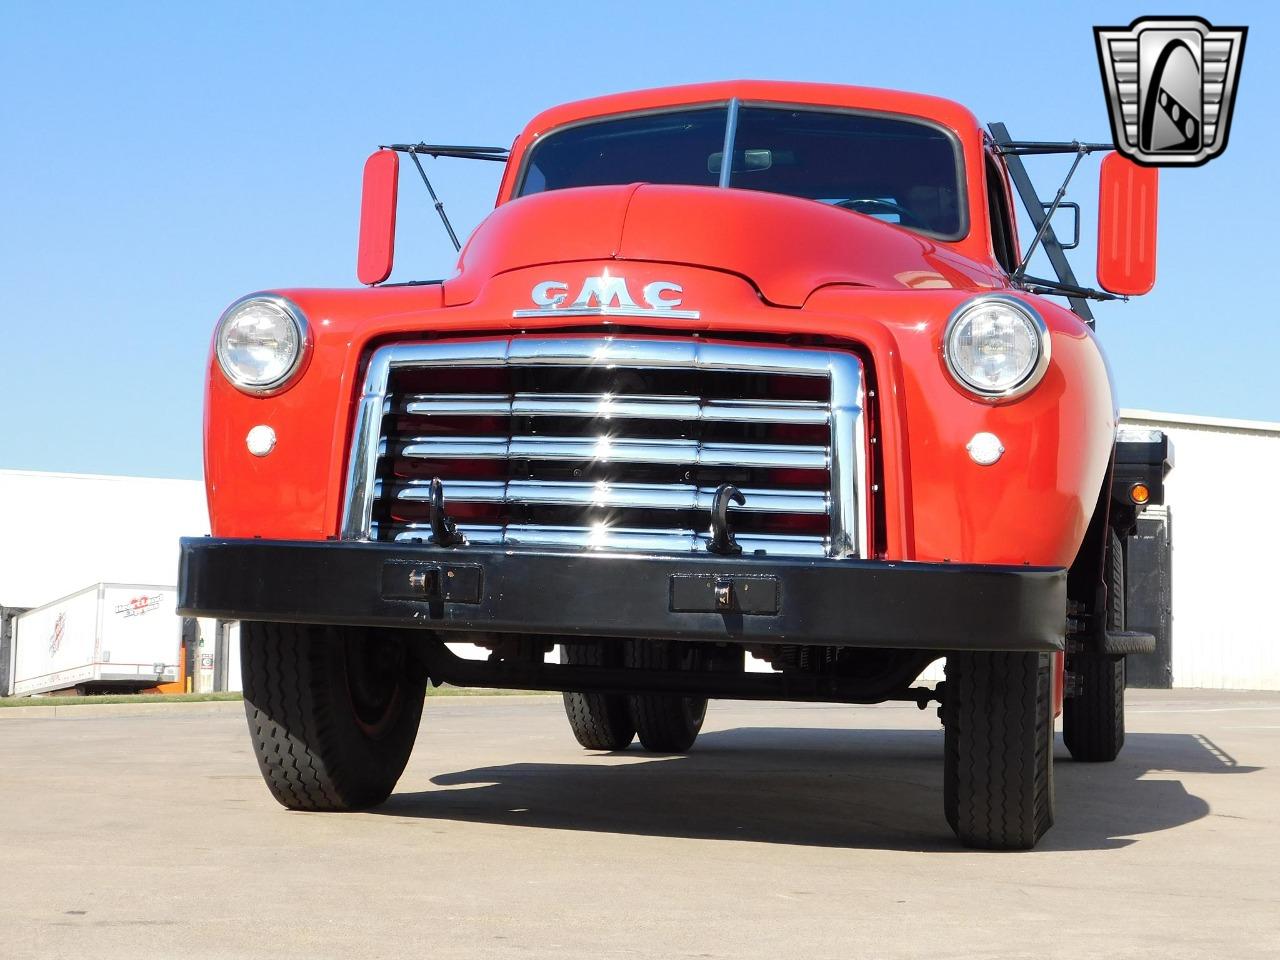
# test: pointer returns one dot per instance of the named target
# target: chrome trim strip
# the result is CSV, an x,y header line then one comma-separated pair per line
x,y
766,411
456,448
366,448
844,370
848,443
687,453
606,406
641,354
455,404
642,496
649,312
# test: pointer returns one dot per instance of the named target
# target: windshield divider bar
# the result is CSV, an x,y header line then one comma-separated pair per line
x,y
730,134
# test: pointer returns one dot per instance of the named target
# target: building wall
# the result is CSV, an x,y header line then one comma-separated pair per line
x,y
1223,534
61,532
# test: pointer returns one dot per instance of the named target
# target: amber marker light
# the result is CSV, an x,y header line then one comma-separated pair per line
x,y
1139,493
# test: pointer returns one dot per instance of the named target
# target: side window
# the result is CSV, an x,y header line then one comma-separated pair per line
x,y
1002,236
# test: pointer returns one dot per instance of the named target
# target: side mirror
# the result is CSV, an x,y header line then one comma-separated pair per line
x,y
378,217
1127,195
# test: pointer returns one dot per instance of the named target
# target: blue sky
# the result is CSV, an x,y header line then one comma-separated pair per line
x,y
160,160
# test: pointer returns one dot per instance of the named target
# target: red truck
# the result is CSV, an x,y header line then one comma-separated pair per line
x,y
734,368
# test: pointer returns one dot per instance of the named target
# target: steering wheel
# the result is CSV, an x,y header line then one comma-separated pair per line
x,y
905,216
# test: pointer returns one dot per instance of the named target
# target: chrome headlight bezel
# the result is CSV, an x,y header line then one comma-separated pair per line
x,y
1034,373
291,314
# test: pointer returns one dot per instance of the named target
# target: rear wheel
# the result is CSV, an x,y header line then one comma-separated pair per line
x,y
664,722
333,711
1093,720
998,772
599,721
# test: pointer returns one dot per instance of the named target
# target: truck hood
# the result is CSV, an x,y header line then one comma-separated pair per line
x,y
785,246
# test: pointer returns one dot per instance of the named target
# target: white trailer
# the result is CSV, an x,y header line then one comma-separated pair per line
x,y
111,635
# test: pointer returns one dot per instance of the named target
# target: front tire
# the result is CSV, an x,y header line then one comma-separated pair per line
x,y
1093,720
998,771
664,722
333,712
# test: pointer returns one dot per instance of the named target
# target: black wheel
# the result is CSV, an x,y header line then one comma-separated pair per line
x,y
1093,720
998,773
665,723
600,721
333,711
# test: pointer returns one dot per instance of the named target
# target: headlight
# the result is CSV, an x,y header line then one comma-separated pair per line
x,y
261,343
996,347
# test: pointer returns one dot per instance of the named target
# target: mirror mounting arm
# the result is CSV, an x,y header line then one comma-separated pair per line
x,y
1012,152
1039,285
439,204
1018,274
497,154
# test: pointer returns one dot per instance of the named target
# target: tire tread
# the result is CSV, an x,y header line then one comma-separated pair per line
x,y
307,750
1093,720
998,767
599,721
665,723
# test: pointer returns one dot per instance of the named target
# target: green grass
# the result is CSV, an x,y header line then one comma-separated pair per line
x,y
445,691
448,691
116,698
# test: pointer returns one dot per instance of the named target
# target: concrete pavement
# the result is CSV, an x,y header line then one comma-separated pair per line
x,y
790,831
48,708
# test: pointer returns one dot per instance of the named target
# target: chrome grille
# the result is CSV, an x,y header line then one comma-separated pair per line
x,y
603,443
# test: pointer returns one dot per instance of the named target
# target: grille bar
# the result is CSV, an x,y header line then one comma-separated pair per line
x,y
608,406
703,413
646,496
604,449
607,538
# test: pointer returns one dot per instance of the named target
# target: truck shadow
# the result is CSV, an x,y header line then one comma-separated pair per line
x,y
877,789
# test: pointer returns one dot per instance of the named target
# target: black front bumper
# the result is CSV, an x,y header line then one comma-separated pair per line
x,y
855,603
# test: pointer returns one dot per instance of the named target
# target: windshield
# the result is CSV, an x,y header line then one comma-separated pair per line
x,y
902,171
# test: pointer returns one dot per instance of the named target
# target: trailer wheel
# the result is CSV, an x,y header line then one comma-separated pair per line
x,y
998,772
600,721
664,722
1093,720
333,711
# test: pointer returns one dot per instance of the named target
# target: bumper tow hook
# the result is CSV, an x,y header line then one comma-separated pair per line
x,y
722,539
444,532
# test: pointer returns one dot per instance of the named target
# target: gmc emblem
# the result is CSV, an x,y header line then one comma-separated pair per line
x,y
607,296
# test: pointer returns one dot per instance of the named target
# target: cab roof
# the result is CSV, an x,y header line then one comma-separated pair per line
x,y
841,96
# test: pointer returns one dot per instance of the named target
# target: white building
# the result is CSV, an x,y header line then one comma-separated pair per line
x,y
1222,531
62,532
